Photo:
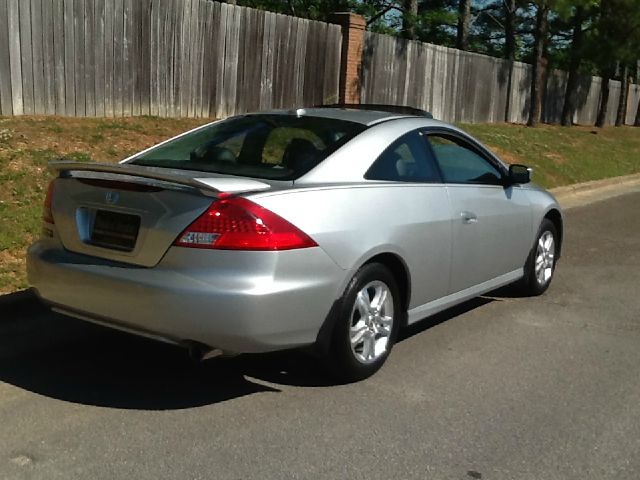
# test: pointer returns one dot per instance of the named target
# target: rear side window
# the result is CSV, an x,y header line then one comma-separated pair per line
x,y
278,147
460,163
406,160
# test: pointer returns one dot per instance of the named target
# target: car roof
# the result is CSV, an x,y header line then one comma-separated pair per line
x,y
365,117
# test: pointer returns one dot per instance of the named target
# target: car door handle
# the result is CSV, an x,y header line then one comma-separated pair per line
x,y
469,217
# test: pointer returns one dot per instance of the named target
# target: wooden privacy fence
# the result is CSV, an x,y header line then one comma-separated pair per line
x,y
160,57
459,86
202,58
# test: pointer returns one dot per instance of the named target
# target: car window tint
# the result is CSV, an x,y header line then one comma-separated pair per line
x,y
280,139
459,163
407,160
278,146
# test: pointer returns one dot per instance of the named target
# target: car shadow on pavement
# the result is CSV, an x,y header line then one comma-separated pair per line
x,y
75,361
68,359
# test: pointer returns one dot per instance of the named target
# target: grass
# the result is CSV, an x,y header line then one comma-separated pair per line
x,y
559,155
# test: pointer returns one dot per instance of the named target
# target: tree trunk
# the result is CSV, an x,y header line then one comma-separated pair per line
x,y
604,101
537,80
637,122
569,107
509,49
621,115
464,19
409,17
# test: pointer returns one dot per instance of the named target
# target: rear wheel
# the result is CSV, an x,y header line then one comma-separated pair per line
x,y
367,324
541,263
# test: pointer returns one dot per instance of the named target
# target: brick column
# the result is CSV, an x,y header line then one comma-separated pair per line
x,y
353,27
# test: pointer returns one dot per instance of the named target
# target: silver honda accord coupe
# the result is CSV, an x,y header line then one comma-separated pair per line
x,y
329,228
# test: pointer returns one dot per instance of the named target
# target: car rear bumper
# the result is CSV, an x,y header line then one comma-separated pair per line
x,y
238,302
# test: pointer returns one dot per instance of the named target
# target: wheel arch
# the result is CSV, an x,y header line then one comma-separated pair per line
x,y
400,271
555,217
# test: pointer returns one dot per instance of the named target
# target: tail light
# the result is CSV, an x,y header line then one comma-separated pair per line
x,y
47,216
235,223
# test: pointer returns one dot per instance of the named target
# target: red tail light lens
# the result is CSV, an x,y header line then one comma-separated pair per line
x,y
47,216
235,223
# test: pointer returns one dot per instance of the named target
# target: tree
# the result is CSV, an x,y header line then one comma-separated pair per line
x,y
510,19
538,71
409,18
575,58
616,42
464,19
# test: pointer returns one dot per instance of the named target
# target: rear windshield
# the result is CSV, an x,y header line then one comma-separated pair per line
x,y
278,147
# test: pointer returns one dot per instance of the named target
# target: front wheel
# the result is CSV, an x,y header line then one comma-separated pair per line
x,y
541,263
367,324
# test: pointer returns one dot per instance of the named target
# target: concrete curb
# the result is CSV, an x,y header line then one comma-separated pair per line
x,y
585,193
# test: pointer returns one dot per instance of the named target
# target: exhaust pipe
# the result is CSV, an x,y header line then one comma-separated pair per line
x,y
199,352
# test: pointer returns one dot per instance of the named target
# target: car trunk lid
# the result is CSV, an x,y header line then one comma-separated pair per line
x,y
132,214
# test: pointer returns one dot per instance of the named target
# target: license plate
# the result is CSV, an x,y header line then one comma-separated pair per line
x,y
115,230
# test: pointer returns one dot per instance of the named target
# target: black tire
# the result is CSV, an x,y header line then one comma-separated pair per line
x,y
530,285
341,357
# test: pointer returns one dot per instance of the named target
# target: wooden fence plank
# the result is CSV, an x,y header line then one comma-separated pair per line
x,y
185,48
161,65
166,62
78,33
174,72
26,57
145,58
231,60
14,57
311,94
109,106
127,70
69,59
118,58
37,50
99,48
213,52
207,69
89,60
194,63
136,66
243,53
48,61
154,35
6,105
221,27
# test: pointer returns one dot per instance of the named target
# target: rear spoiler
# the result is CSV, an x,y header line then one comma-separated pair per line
x,y
207,184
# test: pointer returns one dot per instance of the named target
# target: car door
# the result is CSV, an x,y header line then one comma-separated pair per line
x,y
491,225
420,222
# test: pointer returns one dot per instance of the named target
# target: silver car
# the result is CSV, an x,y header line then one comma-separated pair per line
x,y
329,228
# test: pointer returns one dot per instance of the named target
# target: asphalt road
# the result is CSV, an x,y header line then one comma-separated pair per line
x,y
502,388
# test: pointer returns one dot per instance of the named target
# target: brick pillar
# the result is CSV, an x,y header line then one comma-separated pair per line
x,y
353,27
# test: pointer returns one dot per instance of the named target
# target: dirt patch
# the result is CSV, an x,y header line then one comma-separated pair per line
x,y
506,156
555,158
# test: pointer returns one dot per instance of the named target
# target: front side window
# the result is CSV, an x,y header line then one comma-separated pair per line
x,y
406,160
460,163
278,147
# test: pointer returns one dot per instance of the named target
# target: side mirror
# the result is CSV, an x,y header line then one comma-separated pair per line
x,y
519,174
